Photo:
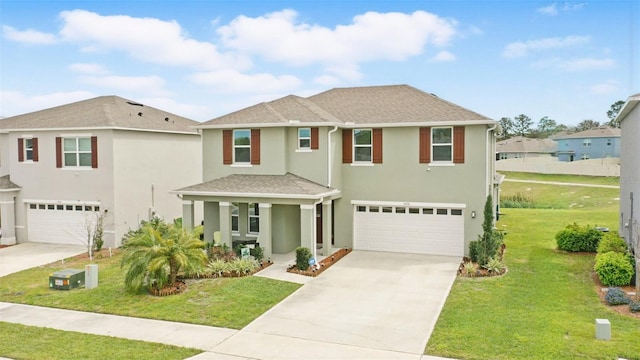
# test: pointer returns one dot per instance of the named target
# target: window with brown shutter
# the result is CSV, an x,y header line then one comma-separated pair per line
x,y
58,152
94,152
377,146
227,147
458,144
34,144
347,143
314,139
255,146
20,149
425,145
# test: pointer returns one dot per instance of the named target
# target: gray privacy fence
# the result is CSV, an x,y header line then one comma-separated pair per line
x,y
543,165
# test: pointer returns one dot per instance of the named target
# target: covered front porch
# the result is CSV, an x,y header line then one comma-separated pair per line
x,y
278,212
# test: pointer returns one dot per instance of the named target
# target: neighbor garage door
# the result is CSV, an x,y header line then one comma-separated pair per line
x,y
436,229
59,223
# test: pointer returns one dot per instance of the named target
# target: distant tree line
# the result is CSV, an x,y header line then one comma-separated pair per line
x,y
522,125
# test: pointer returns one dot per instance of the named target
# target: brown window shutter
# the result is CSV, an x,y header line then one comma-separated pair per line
x,y
458,145
20,149
425,145
347,145
255,146
314,138
227,147
58,152
377,146
34,143
94,152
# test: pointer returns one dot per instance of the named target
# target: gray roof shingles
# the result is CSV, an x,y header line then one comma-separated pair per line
x,y
287,185
598,132
391,104
101,112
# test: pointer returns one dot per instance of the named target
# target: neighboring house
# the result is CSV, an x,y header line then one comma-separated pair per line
x,y
629,118
523,147
383,168
61,167
596,143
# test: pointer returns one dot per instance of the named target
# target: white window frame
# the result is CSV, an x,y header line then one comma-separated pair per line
x,y
77,151
586,142
235,213
256,215
235,146
363,146
434,145
28,149
301,138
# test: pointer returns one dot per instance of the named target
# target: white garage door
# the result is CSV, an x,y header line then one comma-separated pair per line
x,y
436,229
59,223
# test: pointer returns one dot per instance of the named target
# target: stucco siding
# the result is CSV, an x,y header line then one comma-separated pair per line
x,y
602,147
630,176
285,227
147,166
402,178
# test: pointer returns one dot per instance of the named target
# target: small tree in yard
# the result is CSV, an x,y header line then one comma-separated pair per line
x,y
93,232
155,257
488,243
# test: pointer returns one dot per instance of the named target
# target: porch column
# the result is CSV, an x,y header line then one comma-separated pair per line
x,y
307,237
225,223
8,222
211,220
264,237
187,215
326,228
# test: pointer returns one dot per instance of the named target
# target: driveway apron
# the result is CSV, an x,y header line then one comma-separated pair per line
x,y
28,255
373,300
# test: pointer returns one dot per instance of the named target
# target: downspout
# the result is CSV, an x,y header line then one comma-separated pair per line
x,y
489,147
329,155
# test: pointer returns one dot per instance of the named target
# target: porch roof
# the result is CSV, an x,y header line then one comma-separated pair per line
x,y
260,186
7,185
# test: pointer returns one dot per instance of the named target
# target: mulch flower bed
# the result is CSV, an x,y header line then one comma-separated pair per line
x,y
620,309
263,265
479,270
322,265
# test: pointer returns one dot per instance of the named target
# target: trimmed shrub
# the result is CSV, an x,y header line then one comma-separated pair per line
x,y
614,269
634,306
615,296
257,253
612,242
578,238
494,266
303,255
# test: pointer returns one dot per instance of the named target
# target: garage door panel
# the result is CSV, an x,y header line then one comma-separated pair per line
x,y
409,232
59,224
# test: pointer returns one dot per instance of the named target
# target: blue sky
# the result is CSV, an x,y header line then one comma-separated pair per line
x,y
201,59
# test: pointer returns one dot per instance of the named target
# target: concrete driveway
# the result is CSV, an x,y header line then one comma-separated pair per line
x,y
27,255
369,304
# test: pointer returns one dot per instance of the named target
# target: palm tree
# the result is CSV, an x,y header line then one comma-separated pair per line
x,y
156,255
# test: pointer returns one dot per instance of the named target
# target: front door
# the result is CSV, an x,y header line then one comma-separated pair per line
x,y
319,224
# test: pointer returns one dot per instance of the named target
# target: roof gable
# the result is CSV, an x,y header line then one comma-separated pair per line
x,y
598,132
521,144
101,112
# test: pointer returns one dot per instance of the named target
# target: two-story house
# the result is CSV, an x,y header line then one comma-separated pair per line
x,y
382,168
522,147
629,118
61,167
596,143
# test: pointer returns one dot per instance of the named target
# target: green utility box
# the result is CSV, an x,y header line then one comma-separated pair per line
x,y
66,279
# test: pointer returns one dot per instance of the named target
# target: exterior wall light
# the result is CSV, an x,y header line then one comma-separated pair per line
x,y
473,214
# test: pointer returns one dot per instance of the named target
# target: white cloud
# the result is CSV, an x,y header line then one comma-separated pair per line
x,y
605,88
15,102
444,56
279,37
555,8
190,111
93,69
232,81
153,85
146,39
576,65
520,49
28,36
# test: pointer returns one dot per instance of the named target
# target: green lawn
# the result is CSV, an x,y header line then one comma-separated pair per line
x,y
599,180
227,302
544,307
545,196
35,343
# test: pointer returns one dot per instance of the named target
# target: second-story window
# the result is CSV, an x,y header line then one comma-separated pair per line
x,y
362,145
28,149
242,146
77,152
442,144
586,142
304,138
